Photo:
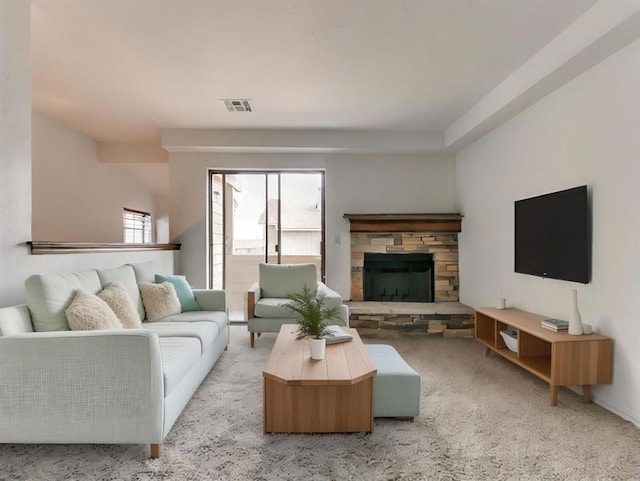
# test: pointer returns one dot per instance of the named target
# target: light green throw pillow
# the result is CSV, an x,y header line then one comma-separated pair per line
x,y
183,290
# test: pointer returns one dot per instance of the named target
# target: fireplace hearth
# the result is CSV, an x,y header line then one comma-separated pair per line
x,y
398,277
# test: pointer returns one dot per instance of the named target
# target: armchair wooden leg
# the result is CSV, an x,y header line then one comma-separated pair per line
x,y
252,339
155,451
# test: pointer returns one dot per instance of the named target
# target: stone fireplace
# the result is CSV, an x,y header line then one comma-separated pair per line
x,y
432,234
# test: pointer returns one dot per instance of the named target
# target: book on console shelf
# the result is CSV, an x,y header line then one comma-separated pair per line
x,y
555,324
336,335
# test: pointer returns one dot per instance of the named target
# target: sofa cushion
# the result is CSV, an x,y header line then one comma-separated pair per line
x,y
219,317
179,354
205,331
273,307
49,295
15,320
145,271
183,291
280,280
160,300
118,299
87,312
126,275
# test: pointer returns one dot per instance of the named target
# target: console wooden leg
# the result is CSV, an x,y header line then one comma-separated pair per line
x,y
155,451
252,339
553,391
487,351
586,393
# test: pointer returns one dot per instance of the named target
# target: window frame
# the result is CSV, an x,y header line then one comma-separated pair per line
x,y
137,224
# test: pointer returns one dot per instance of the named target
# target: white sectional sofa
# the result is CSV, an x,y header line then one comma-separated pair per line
x,y
115,386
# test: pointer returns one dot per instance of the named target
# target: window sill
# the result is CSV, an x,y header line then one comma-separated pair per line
x,y
44,247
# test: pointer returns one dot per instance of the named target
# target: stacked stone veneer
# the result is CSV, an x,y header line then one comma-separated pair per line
x,y
443,246
462,324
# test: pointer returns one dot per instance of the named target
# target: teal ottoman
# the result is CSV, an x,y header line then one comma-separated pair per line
x,y
396,386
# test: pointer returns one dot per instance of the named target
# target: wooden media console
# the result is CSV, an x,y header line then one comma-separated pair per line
x,y
557,358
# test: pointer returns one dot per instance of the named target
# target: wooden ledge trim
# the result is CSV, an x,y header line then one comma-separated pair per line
x,y
45,247
404,222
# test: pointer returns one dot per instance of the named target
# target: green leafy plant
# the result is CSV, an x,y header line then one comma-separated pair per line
x,y
313,316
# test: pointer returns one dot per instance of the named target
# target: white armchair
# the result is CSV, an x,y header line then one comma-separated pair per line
x,y
267,297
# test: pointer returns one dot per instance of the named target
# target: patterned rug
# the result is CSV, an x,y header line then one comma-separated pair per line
x,y
481,418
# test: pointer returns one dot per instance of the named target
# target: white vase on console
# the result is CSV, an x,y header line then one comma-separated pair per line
x,y
575,319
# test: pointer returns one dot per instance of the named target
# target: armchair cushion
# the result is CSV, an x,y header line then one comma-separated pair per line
x,y
273,307
280,280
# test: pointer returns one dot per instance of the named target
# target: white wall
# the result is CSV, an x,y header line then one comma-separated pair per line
x,y
354,184
16,264
78,199
584,133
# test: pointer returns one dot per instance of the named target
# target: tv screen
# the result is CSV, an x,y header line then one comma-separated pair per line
x,y
552,235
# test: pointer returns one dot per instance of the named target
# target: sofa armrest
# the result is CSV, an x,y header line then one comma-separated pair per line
x,y
15,320
334,299
81,387
211,299
328,292
256,291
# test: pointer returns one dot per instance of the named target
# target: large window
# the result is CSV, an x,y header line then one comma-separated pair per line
x,y
136,226
262,216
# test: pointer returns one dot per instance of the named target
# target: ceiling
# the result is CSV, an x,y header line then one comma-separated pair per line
x,y
123,70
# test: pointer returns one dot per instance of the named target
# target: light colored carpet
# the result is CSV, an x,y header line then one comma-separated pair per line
x,y
481,418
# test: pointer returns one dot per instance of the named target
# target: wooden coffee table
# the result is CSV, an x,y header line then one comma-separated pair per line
x,y
334,395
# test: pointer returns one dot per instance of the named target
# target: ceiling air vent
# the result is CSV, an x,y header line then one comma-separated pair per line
x,y
238,105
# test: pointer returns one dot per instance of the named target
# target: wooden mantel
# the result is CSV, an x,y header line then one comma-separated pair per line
x,y
405,222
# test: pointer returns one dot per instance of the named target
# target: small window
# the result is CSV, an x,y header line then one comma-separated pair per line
x,y
137,226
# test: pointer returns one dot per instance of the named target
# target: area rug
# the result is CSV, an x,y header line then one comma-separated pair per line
x,y
480,418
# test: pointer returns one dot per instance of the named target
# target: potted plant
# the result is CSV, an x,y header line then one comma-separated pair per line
x,y
313,318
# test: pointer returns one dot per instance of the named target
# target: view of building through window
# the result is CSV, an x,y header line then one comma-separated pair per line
x,y
255,217
136,226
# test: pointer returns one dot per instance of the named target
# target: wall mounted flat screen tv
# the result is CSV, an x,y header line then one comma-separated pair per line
x,y
553,235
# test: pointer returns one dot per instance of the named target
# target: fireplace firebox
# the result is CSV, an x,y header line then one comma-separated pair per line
x,y
406,277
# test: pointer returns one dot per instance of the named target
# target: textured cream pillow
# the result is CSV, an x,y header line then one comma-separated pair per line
x,y
88,312
160,300
118,299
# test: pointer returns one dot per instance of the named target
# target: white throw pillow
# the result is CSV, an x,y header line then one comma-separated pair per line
x,y
160,300
118,299
88,312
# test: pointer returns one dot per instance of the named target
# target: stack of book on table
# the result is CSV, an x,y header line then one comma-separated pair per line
x,y
336,334
555,324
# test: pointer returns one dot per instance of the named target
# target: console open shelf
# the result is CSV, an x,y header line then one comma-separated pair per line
x,y
555,357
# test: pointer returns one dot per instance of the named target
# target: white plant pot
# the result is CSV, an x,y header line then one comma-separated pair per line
x,y
317,348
